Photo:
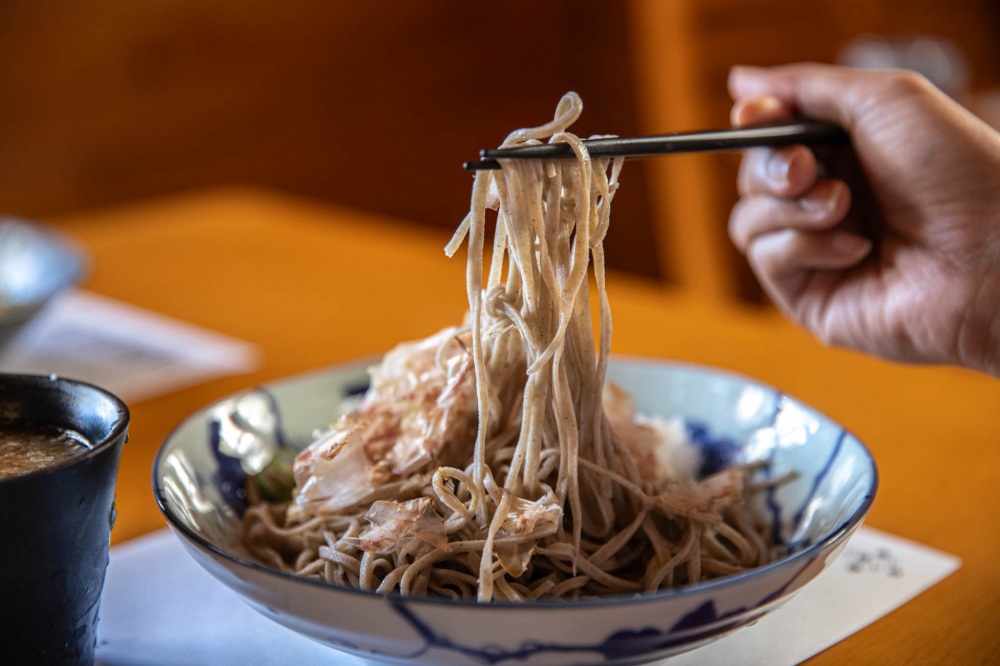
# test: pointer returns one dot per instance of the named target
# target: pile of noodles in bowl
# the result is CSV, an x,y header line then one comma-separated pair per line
x,y
506,491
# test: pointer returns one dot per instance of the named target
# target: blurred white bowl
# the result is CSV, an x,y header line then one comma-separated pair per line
x,y
732,418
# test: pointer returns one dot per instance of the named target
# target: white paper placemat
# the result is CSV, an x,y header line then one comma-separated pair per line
x,y
160,607
132,352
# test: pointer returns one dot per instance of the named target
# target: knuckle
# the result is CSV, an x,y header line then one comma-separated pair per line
x,y
905,83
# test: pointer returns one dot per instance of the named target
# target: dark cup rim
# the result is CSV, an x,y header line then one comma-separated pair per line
x,y
118,430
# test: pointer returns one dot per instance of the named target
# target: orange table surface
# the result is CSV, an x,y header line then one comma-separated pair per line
x,y
312,284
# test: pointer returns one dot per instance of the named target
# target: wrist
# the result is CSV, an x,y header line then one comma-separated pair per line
x,y
979,342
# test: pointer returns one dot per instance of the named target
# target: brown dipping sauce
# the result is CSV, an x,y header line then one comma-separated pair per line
x,y
25,447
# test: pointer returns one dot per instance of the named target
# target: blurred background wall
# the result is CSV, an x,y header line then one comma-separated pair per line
x,y
374,104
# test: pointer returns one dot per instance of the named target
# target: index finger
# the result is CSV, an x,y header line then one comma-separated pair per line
x,y
815,90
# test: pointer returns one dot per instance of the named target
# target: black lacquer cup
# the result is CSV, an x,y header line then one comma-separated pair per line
x,y
55,522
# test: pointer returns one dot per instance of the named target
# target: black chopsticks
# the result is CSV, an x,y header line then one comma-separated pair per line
x,y
802,130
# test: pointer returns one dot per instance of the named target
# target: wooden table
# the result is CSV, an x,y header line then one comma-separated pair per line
x,y
313,284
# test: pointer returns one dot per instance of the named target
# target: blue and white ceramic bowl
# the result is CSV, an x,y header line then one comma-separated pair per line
x,y
732,418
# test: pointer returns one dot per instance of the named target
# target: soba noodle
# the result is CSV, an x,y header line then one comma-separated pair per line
x,y
490,461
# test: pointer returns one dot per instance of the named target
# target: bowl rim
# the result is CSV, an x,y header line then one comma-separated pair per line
x,y
807,554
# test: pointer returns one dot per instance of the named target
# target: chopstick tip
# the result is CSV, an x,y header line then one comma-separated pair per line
x,y
481,165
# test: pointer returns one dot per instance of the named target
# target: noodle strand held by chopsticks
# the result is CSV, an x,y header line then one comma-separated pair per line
x,y
513,484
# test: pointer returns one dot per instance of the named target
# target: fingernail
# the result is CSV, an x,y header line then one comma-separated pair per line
x,y
756,109
851,244
777,169
822,200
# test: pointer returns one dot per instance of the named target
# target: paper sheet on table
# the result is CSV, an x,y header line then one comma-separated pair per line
x,y
181,615
133,353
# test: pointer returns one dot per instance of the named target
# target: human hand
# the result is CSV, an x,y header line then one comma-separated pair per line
x,y
899,257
